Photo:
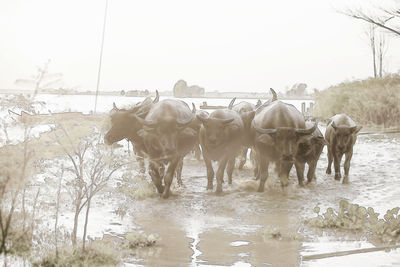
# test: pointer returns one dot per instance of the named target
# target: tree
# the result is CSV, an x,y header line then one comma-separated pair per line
x,y
89,164
42,80
16,170
386,15
378,45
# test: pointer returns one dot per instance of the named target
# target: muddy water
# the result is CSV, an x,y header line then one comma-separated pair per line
x,y
199,228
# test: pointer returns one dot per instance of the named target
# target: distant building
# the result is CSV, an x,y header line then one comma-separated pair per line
x,y
298,89
181,89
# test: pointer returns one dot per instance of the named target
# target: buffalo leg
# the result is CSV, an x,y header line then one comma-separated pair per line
x,y
210,173
349,154
197,152
337,157
284,171
243,157
229,169
140,159
300,172
154,171
262,171
312,165
330,159
169,176
220,173
179,171
257,164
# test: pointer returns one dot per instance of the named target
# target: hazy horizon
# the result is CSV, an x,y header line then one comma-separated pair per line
x,y
229,46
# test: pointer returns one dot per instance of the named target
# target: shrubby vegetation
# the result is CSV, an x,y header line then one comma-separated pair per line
x,y
97,253
72,159
136,188
360,219
372,102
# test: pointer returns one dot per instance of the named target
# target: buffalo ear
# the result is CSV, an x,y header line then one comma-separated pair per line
x,y
305,139
142,133
320,140
357,129
187,132
201,118
334,125
227,121
265,139
249,115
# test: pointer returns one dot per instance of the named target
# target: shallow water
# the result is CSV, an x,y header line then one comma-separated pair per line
x,y
199,228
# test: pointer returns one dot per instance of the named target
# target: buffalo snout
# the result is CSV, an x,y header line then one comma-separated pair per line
x,y
213,140
287,157
107,140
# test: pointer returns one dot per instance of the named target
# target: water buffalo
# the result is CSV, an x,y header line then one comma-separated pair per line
x,y
341,135
221,137
310,148
246,111
196,124
124,124
167,139
261,105
278,129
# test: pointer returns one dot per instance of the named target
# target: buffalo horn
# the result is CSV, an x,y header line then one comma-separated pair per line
x,y
157,97
264,131
194,108
182,123
150,124
351,129
307,131
231,103
115,106
274,95
223,121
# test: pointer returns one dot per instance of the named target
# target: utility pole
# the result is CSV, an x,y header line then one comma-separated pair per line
x,y
101,57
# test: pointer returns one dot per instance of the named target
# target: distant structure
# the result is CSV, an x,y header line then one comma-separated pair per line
x,y
298,89
181,89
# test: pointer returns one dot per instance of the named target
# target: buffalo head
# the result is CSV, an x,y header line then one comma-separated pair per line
x,y
125,122
344,135
214,128
165,137
285,140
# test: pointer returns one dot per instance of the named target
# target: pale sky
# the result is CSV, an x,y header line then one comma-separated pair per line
x,y
223,45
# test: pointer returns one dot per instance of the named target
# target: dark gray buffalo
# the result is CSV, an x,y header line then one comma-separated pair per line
x,y
246,111
341,135
278,129
221,137
310,148
124,124
167,139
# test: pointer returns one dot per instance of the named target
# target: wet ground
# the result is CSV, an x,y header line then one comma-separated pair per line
x,y
199,228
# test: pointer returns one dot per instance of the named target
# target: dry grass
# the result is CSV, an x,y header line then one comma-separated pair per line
x,y
370,102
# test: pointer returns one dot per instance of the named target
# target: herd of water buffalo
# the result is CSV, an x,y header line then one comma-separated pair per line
x,y
165,131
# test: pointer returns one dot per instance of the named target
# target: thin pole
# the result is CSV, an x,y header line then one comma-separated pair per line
x,y
101,57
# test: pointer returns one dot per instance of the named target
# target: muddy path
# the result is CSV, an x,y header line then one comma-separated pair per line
x,y
199,228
